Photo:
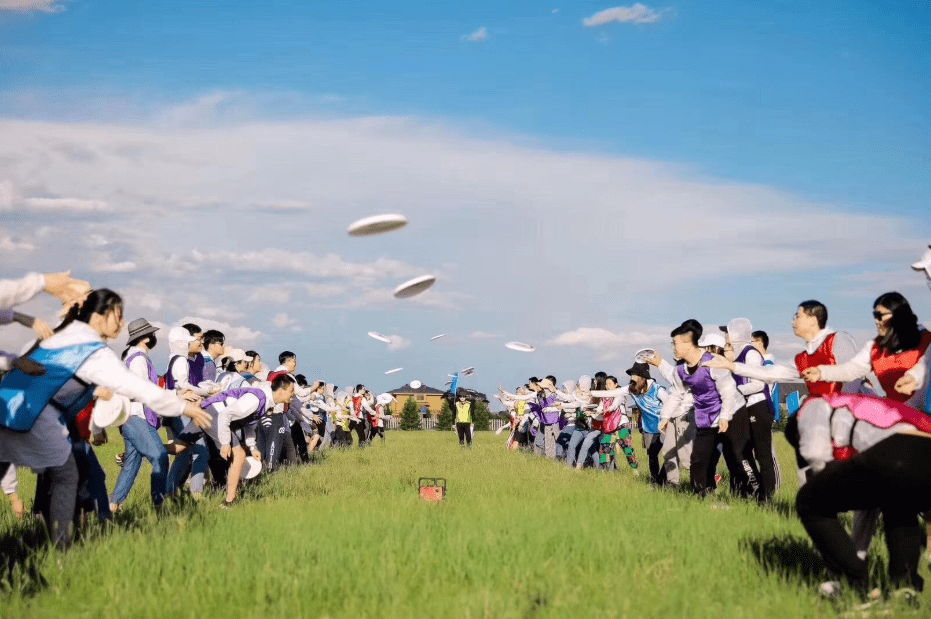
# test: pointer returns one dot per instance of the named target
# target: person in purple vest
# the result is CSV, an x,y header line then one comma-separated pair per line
x,y
212,350
759,406
716,401
236,414
141,429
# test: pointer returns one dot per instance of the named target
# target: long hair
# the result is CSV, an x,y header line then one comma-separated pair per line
x,y
101,301
904,332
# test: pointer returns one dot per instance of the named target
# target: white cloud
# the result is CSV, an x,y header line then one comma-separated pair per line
x,y
479,36
283,321
330,266
399,343
554,11
65,204
96,240
636,14
46,6
11,243
269,294
126,266
610,344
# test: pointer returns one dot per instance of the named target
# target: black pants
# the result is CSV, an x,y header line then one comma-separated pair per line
x,y
894,476
737,449
704,456
464,430
300,443
761,435
376,431
278,442
359,428
654,447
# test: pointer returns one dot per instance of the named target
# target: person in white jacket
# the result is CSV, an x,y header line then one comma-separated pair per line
x,y
44,446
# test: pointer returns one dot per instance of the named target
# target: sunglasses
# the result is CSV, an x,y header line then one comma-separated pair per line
x,y
880,316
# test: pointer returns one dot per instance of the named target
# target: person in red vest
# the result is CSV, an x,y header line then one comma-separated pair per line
x,y
869,452
823,346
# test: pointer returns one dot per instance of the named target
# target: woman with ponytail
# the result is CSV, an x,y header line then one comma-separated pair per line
x,y
37,413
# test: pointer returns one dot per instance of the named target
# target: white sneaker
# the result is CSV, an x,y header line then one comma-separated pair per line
x,y
830,590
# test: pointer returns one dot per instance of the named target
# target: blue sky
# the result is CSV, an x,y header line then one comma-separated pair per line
x,y
688,161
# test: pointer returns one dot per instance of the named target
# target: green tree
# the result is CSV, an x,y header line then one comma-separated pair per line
x,y
444,421
410,415
481,416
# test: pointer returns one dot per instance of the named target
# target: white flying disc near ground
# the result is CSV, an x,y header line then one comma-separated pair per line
x,y
381,338
436,337
413,287
416,384
394,370
643,355
111,413
252,468
520,347
377,224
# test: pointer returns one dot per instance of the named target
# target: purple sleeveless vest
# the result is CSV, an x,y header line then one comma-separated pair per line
x,y
196,370
705,392
548,419
150,415
238,393
743,380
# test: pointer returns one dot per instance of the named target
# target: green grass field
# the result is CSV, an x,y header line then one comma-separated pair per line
x,y
518,536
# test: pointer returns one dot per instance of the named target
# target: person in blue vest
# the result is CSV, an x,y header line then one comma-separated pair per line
x,y
38,413
649,397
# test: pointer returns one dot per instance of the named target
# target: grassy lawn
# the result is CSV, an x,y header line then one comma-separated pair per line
x,y
518,536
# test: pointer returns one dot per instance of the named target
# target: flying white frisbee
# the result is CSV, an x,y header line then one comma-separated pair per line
x,y
252,468
394,370
436,337
381,338
520,347
449,382
467,372
377,224
644,355
384,399
413,287
111,413
416,384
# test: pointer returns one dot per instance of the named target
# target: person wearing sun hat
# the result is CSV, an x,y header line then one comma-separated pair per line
x,y
140,432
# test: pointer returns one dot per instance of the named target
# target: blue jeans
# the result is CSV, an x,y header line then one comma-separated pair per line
x,y
142,440
590,437
562,441
578,435
195,457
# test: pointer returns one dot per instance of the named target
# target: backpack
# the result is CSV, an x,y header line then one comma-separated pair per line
x,y
24,397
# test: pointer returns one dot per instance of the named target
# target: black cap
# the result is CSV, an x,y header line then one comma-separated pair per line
x,y
639,369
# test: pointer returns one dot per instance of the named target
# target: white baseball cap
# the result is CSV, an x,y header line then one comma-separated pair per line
x,y
925,263
712,338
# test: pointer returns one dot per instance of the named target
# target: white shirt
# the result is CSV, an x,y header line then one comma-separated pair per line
x,y
862,364
46,444
15,292
686,401
235,409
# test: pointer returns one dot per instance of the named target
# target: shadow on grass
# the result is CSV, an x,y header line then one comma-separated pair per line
x,y
788,556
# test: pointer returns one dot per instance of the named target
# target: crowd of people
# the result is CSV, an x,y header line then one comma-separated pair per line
x,y
219,405
855,450
222,406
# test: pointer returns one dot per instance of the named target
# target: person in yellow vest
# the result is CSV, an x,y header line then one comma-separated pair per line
x,y
463,407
